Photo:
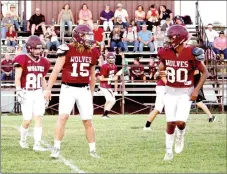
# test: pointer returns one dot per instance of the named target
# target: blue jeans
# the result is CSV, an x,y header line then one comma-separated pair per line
x,y
69,24
209,44
138,23
150,45
11,43
116,44
135,43
3,32
16,23
10,77
217,51
50,44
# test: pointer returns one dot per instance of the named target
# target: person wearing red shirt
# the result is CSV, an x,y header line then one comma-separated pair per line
x,y
7,68
137,71
11,37
99,36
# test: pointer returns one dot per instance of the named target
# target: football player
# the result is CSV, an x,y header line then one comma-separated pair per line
x,y
108,74
30,72
178,62
77,61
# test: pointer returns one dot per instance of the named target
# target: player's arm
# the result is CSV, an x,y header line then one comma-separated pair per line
x,y
18,74
161,72
93,79
102,78
44,83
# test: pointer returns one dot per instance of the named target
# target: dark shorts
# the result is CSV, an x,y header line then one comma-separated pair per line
x,y
137,77
200,97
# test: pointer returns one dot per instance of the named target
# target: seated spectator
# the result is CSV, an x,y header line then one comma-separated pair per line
x,y
139,16
107,17
152,17
7,21
42,38
116,39
134,26
166,25
159,37
11,37
165,13
7,68
99,36
220,45
211,35
85,16
137,71
145,38
153,68
178,20
65,17
51,39
121,24
121,13
15,16
36,22
130,38
153,24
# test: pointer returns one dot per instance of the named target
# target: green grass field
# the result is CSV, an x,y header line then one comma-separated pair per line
x,y
122,144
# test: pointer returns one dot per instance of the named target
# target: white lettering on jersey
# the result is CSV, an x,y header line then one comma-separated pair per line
x,y
36,68
80,59
173,63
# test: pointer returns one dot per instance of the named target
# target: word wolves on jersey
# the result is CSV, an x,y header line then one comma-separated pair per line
x,y
82,59
174,63
36,68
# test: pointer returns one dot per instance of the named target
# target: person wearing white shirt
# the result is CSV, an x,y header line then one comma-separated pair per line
x,y
211,35
120,12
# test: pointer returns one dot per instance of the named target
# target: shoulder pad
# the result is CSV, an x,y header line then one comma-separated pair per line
x,y
198,53
62,50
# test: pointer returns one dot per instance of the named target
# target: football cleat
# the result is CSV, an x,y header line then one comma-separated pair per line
x,y
55,153
147,128
212,119
179,144
38,148
94,154
168,157
105,117
24,144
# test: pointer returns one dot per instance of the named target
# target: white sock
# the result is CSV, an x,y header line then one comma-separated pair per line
x,y
180,132
92,146
23,133
57,144
37,134
169,142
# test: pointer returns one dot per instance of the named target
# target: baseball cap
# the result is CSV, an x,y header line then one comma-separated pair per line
x,y
221,32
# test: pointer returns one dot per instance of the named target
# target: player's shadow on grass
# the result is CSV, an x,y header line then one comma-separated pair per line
x,y
135,127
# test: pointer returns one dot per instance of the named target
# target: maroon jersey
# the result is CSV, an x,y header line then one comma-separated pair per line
x,y
33,71
180,70
7,66
108,71
77,65
160,83
137,69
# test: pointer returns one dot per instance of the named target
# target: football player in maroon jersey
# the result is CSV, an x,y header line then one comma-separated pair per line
x,y
179,61
77,61
30,72
108,74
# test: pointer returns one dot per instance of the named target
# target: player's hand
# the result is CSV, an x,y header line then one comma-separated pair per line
x,y
47,95
20,96
194,95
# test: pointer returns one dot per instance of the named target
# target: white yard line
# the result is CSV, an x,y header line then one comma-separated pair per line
x,y
61,158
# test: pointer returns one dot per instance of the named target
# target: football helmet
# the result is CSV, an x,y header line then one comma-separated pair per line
x,y
84,35
176,35
110,57
34,46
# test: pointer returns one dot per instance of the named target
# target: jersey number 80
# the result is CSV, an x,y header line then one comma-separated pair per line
x,y
176,75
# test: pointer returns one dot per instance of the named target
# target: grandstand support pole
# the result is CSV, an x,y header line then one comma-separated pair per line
x,y
223,90
197,13
123,84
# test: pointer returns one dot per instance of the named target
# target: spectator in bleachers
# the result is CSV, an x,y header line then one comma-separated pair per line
x,y
122,13
43,40
36,22
7,68
115,39
15,16
137,71
178,20
107,17
139,16
6,22
130,38
152,17
121,24
65,17
220,45
165,13
145,37
153,68
11,37
166,25
211,35
85,16
99,36
51,39
134,26
159,37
